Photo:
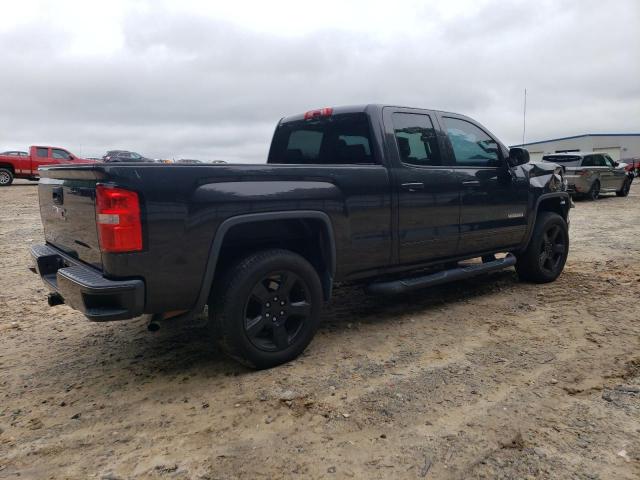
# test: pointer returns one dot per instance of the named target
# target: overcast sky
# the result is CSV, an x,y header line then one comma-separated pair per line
x,y
210,80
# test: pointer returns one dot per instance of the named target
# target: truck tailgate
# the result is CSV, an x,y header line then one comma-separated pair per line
x,y
67,209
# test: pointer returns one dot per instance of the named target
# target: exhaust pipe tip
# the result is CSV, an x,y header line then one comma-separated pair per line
x,y
54,299
153,326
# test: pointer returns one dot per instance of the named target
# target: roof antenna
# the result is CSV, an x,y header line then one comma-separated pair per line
x,y
524,116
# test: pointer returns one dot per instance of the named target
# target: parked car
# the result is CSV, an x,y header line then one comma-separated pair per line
x,y
191,161
15,153
14,165
589,174
124,156
631,166
387,196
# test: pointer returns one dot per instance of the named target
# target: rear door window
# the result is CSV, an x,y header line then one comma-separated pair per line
x,y
416,139
472,147
42,152
340,139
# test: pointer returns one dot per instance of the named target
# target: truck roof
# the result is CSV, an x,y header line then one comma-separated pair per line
x,y
342,109
571,154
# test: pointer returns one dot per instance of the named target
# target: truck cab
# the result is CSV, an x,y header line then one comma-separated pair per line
x,y
26,166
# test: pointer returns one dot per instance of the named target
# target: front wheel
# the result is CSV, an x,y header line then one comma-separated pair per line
x,y
626,186
266,309
6,177
546,254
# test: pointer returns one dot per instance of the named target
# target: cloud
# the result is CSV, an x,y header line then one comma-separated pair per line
x,y
176,82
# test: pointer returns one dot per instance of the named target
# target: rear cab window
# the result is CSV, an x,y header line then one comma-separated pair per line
x,y
42,152
341,139
566,160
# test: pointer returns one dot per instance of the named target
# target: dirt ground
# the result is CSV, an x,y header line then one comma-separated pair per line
x,y
487,378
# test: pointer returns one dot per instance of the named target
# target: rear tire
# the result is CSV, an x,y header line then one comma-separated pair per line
x,y
594,191
546,254
266,309
6,177
624,191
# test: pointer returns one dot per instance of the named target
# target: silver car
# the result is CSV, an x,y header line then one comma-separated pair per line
x,y
590,173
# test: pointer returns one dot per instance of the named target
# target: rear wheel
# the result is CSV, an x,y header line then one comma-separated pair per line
x,y
266,309
624,191
594,191
546,254
6,177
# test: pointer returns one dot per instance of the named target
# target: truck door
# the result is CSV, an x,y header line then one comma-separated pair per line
x,y
40,156
493,199
599,167
427,192
617,176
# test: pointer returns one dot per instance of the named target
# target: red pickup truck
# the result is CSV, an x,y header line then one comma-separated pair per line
x,y
17,165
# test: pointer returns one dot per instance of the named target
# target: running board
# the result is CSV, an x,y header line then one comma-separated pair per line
x,y
445,276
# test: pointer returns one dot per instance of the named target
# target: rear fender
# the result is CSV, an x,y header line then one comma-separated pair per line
x,y
227,225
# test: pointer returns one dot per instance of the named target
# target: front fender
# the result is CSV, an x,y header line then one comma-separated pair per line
x,y
564,204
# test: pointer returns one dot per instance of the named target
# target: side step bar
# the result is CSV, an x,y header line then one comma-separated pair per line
x,y
459,273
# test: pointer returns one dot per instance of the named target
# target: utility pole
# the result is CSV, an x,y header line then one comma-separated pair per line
x,y
524,116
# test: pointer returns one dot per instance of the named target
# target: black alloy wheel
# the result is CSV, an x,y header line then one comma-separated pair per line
x,y
276,310
594,191
552,249
544,258
265,309
626,186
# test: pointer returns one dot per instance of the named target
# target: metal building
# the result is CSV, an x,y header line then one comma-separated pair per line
x,y
617,145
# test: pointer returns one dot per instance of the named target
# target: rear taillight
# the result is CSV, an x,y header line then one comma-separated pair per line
x,y
118,219
582,173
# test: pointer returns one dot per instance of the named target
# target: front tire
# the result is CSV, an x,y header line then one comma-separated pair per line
x,y
6,177
546,254
624,191
266,308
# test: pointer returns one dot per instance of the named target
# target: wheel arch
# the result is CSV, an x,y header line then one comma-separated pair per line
x,y
310,222
8,166
557,202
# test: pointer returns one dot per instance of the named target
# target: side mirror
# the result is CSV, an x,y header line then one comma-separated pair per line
x,y
616,164
518,156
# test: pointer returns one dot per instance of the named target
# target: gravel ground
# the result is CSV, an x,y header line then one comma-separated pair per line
x,y
486,378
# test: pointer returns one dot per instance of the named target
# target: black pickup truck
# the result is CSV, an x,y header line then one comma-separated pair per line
x,y
391,197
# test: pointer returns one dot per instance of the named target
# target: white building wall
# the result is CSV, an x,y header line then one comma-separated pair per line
x,y
623,146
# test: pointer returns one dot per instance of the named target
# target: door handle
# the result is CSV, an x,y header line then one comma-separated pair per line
x,y
471,183
412,187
